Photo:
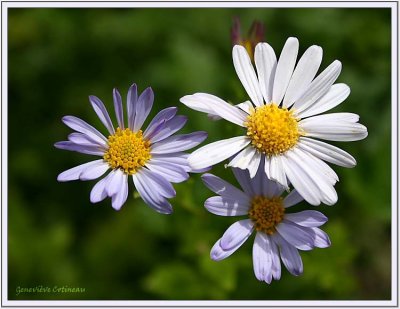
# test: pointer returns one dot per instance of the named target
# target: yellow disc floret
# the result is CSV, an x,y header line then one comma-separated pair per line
x,y
266,213
272,130
127,150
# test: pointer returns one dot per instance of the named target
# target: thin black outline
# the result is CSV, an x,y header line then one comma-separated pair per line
x,y
214,301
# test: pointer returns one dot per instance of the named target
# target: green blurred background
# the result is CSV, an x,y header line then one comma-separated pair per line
x,y
56,237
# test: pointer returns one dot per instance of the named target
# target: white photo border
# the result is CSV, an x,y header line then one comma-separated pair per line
x,y
393,5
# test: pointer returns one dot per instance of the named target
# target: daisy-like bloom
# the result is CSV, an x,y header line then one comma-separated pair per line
x,y
153,158
279,235
281,123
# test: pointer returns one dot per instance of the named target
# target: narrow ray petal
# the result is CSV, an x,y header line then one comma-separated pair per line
x,y
216,152
284,69
245,71
265,60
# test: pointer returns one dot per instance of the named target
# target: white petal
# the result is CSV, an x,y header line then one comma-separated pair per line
x,y
319,87
334,117
336,95
246,106
335,131
277,171
75,172
265,59
262,258
284,69
94,171
327,152
194,102
221,108
304,73
317,181
300,180
235,234
319,165
267,166
292,198
267,187
216,152
245,71
243,158
254,164
323,168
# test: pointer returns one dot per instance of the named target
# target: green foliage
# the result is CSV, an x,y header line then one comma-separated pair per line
x,y
57,57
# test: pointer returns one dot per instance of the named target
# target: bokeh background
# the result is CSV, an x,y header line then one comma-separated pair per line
x,y
56,237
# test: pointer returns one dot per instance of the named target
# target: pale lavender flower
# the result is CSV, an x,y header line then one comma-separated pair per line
x,y
279,235
282,123
154,158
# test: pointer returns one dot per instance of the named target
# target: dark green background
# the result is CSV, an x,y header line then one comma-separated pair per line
x,y
57,57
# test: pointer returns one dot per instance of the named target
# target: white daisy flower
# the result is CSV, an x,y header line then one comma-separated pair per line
x,y
281,123
279,235
154,158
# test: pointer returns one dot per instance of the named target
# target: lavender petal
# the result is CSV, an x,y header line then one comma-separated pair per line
x,y
75,172
180,142
131,101
168,128
226,206
307,218
119,112
170,172
102,113
224,188
235,234
91,150
81,126
143,107
162,117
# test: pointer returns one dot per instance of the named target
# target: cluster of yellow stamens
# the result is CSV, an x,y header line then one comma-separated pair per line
x,y
266,213
127,151
272,130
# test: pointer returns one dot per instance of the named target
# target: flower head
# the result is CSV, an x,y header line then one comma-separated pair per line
x,y
153,157
282,125
255,35
279,235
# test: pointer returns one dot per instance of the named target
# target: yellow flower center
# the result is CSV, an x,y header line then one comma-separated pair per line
x,y
127,150
266,213
272,130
